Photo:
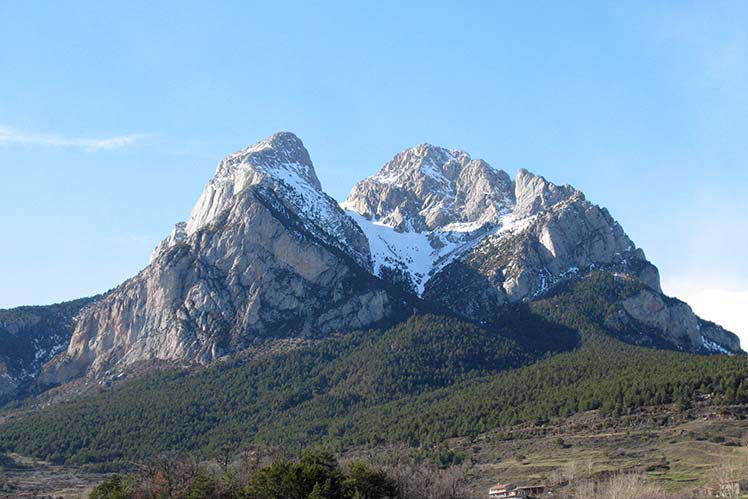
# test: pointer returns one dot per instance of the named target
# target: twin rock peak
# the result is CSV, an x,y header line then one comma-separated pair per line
x,y
265,253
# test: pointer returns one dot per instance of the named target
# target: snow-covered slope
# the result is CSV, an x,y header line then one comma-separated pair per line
x,y
419,255
413,255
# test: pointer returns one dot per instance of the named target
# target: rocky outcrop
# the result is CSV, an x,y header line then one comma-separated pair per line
x,y
463,235
511,240
529,255
177,235
570,237
448,212
555,235
265,254
424,207
535,194
679,324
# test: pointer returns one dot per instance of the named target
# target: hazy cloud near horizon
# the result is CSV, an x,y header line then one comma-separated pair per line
x,y
723,306
726,308
9,135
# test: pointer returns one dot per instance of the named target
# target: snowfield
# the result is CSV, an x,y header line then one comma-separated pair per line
x,y
422,254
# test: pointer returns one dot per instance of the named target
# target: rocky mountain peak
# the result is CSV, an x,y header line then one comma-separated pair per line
x,y
535,194
279,159
281,165
428,187
265,253
279,153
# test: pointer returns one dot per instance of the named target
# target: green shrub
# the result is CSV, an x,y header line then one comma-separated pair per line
x,y
111,488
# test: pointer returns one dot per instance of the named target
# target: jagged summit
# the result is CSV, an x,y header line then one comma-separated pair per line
x,y
534,193
281,165
279,159
281,151
430,208
426,206
428,187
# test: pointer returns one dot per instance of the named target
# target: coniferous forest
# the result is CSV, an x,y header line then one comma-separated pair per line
x,y
418,383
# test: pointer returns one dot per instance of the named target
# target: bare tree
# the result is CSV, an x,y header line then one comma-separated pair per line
x,y
623,486
223,456
571,470
168,475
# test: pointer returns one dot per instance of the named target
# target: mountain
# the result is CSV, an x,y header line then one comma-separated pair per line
x,y
441,302
463,235
427,188
266,254
425,207
507,240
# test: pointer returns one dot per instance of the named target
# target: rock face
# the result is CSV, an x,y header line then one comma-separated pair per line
x,y
535,194
435,218
266,253
279,165
530,253
678,323
426,206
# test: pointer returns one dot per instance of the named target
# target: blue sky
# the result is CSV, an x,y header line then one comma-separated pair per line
x,y
113,117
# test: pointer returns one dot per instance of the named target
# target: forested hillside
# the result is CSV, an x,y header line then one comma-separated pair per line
x,y
427,379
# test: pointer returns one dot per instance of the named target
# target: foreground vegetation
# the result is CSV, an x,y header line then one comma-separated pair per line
x,y
258,473
299,398
251,476
662,451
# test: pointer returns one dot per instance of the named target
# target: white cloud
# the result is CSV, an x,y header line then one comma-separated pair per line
x,y
13,136
729,309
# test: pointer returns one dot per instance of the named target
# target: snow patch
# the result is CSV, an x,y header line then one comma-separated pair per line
x,y
410,252
423,254
713,346
463,226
